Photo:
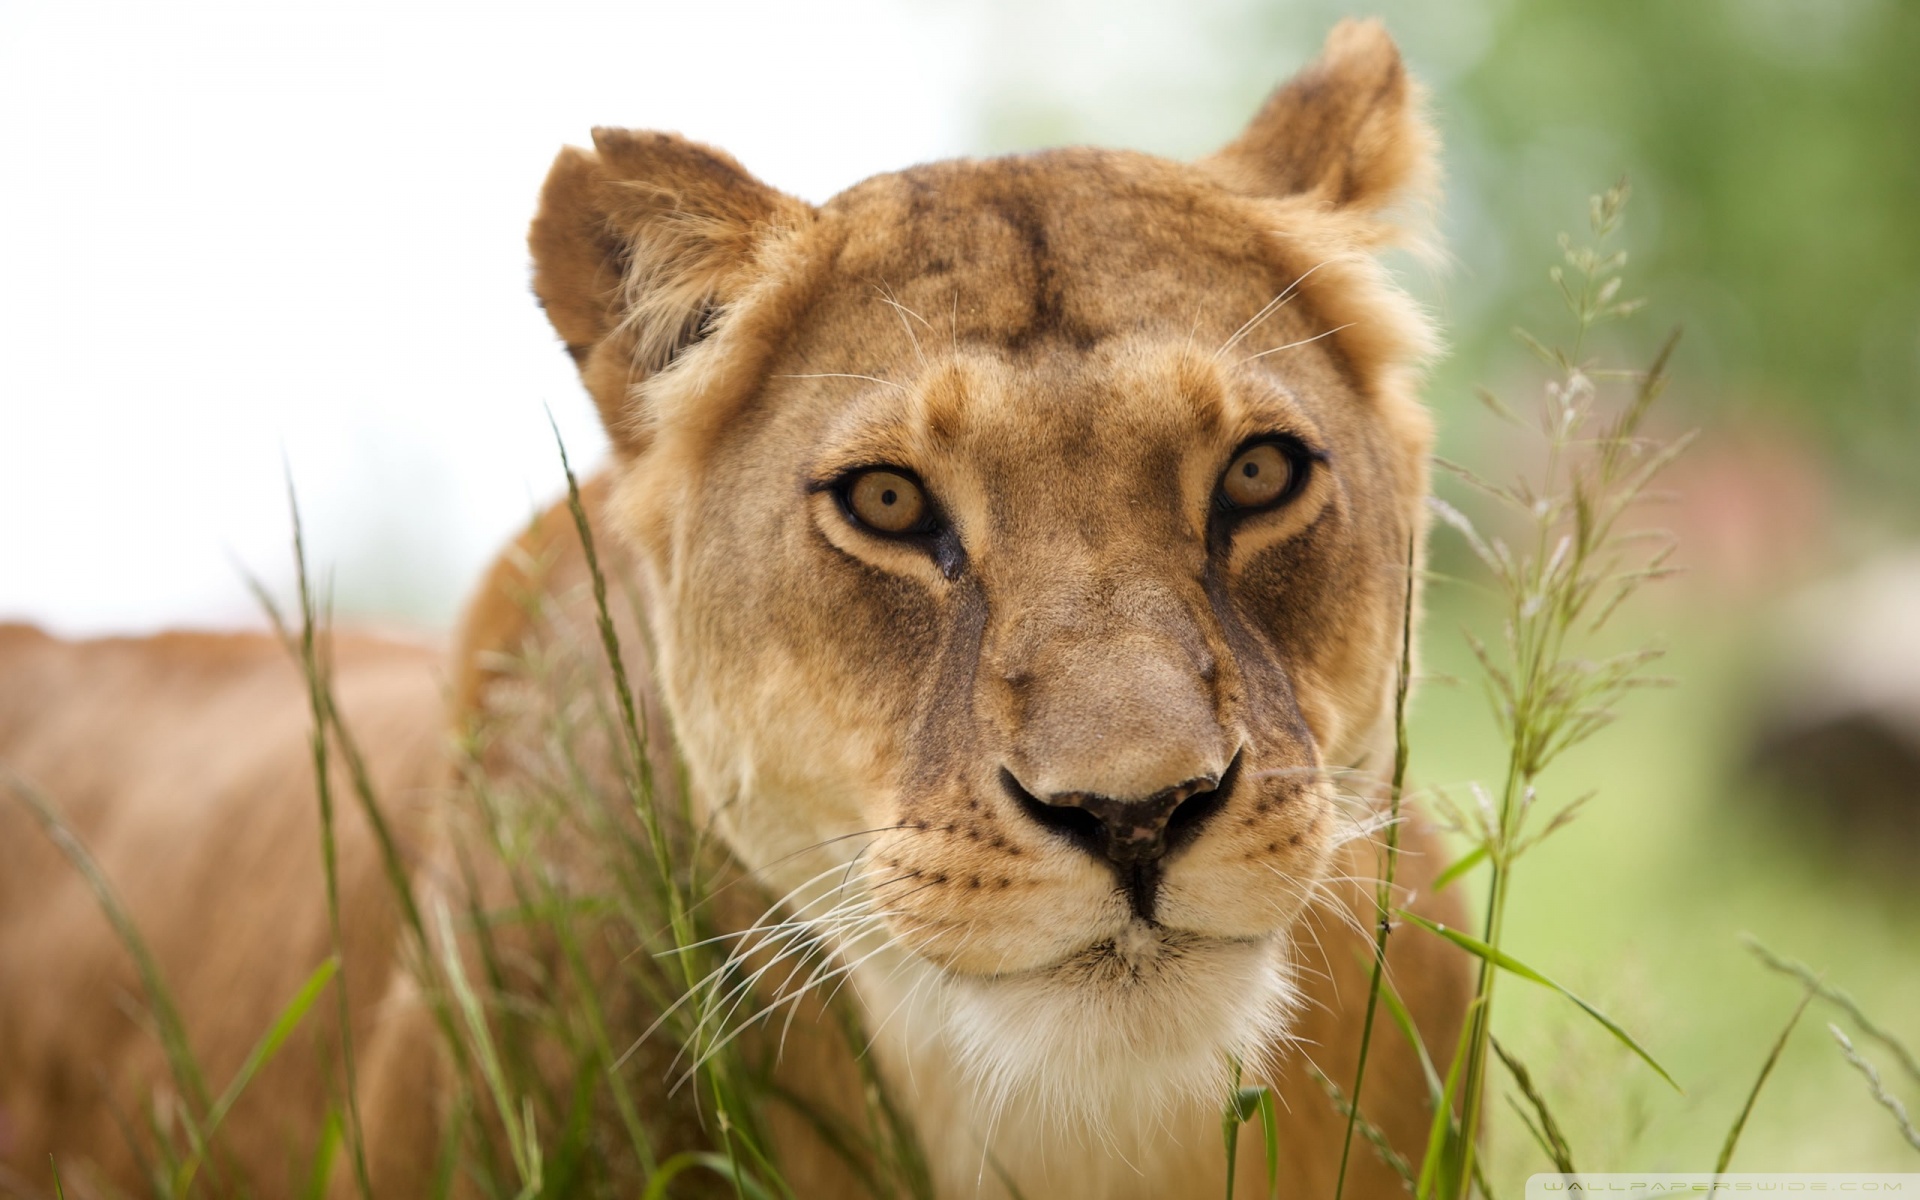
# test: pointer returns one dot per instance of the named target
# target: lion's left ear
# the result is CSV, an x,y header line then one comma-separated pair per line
x,y
1347,131
638,247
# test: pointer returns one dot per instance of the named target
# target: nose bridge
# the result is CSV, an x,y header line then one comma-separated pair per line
x,y
1110,684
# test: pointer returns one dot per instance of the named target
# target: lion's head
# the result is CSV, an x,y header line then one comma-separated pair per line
x,y
1026,542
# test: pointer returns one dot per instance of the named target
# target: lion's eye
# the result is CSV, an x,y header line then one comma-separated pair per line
x,y
886,501
1260,475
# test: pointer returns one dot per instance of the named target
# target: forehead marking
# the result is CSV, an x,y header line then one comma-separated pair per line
x,y
1049,317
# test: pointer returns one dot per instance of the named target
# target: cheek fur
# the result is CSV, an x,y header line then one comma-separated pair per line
x,y
842,644
865,626
1253,876
1319,602
963,890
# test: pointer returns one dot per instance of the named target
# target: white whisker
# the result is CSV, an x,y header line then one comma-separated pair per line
x,y
1294,345
1272,306
899,387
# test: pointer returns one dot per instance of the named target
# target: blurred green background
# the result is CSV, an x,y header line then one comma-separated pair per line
x,y
1774,151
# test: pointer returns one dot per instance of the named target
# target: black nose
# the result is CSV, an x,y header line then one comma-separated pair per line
x,y
1132,835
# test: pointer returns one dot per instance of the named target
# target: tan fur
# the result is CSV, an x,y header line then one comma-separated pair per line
x,y
1066,348
181,762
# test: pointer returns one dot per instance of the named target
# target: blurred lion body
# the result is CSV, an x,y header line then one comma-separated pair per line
x,y
183,764
826,683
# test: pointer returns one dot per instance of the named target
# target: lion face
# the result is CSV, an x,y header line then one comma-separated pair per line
x,y
1026,544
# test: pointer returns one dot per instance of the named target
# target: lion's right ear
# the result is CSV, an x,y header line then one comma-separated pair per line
x,y
638,247
1347,133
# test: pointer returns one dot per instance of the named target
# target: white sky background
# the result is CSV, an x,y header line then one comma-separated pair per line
x,y
233,232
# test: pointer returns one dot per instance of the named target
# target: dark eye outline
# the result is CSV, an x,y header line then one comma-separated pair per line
x,y
934,534
931,521
1301,459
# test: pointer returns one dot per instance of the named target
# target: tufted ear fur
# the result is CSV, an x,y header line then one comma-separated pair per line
x,y
638,247
1346,132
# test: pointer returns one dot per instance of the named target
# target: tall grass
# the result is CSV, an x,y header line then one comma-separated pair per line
x,y
637,985
1561,555
594,996
1569,566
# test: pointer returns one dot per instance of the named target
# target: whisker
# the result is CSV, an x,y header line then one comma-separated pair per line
x,y
1272,306
745,1026
886,295
1293,345
786,1026
749,877
802,942
799,929
740,993
900,387
759,923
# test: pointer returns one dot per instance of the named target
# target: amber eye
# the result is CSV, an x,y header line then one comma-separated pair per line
x,y
1260,475
886,501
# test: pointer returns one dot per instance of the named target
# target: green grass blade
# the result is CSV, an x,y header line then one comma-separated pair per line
x,y
1547,1132
1841,1000
638,764
448,1162
690,1160
257,1058
59,1192
738,1124
1514,966
485,1053
536,1158
325,1151
1881,1095
399,880
1766,1069
1243,1103
270,1043
172,1031
1383,1149
1466,862
590,1012
297,644
1230,1132
1270,1133
1383,898
1443,1133
1533,1128
1397,1009
312,650
1480,1180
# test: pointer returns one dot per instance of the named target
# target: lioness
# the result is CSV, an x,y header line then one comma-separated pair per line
x,y
1023,541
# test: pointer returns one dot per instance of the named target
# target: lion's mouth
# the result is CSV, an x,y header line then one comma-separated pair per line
x,y
1139,953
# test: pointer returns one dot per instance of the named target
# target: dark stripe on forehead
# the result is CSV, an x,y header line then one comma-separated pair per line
x,y
1056,251
1050,320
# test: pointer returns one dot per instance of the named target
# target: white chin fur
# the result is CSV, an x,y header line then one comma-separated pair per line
x,y
1122,1036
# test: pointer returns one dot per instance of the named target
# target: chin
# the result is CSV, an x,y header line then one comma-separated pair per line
x,y
1124,1033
